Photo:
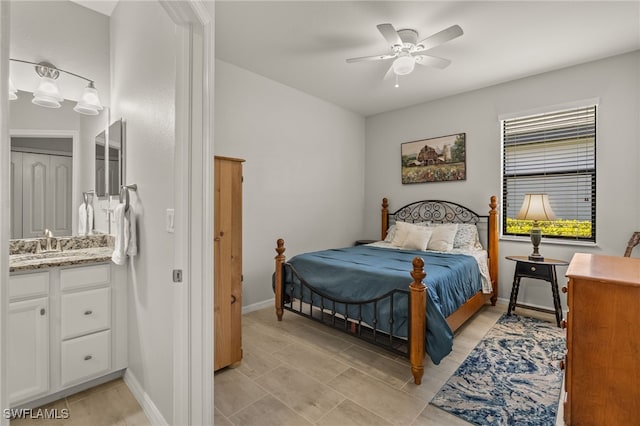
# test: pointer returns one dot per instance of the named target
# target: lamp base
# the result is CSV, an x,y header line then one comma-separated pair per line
x,y
537,257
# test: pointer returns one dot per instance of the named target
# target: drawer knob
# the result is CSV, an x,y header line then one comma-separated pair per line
x,y
88,357
563,324
533,269
233,299
565,289
89,312
42,311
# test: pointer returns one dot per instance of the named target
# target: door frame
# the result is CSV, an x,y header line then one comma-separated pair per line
x,y
5,201
193,251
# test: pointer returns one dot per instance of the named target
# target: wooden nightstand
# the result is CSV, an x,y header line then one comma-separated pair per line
x,y
545,270
363,242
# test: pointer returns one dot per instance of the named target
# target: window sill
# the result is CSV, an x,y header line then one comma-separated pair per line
x,y
549,241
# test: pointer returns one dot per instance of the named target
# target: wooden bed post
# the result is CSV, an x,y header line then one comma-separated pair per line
x,y
280,259
385,218
418,320
493,247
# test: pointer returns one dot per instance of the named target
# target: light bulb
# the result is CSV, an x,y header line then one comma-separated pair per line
x,y
404,64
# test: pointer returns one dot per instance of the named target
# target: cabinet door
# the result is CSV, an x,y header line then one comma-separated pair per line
x,y
28,357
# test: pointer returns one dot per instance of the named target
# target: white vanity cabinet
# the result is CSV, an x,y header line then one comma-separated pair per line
x,y
28,349
68,327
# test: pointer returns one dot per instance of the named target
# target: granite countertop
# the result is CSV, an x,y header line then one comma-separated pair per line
x,y
31,261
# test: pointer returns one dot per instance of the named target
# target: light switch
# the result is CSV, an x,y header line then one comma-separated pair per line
x,y
170,221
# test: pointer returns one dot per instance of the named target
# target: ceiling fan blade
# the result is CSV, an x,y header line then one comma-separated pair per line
x,y
371,58
389,73
432,61
438,38
390,34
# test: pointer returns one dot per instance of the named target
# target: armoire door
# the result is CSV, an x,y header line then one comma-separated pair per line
x,y
227,261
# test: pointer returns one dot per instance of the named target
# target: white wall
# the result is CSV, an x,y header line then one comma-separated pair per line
x,y
615,81
63,33
304,170
143,90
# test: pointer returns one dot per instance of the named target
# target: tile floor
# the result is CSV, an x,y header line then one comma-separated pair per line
x,y
297,372
106,405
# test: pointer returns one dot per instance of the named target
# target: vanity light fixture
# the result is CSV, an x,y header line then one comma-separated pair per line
x,y
48,93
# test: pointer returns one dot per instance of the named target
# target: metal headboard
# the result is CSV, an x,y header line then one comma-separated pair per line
x,y
435,211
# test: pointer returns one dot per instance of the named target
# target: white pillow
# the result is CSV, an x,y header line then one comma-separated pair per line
x,y
467,236
442,237
418,238
402,230
391,232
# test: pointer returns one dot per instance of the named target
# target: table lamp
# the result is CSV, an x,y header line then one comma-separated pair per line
x,y
536,207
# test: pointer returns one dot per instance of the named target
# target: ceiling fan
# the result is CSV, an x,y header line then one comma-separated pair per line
x,y
407,51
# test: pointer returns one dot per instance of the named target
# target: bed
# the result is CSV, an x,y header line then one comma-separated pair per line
x,y
366,290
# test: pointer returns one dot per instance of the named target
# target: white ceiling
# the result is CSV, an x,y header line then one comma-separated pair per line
x,y
304,44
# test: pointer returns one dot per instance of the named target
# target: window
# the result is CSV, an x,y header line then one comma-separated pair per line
x,y
552,153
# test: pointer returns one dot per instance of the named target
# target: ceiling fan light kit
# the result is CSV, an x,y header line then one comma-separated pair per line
x,y
407,51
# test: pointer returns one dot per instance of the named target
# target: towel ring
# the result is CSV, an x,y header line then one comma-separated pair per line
x,y
124,194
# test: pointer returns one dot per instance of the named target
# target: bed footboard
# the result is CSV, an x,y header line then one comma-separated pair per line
x,y
347,316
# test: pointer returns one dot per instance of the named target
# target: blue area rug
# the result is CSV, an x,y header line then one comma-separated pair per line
x,y
512,377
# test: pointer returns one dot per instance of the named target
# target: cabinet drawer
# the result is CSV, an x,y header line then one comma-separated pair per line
x,y
85,312
84,276
534,270
28,285
85,357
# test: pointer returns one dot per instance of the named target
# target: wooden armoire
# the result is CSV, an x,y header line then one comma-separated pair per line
x,y
227,255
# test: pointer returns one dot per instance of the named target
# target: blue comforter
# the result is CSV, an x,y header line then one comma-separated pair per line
x,y
364,272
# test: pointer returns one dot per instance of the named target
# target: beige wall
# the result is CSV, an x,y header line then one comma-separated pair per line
x,y
615,81
304,170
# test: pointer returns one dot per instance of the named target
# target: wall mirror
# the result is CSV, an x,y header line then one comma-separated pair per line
x,y
49,176
109,159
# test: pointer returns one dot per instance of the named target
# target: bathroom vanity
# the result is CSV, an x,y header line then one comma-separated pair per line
x,y
67,323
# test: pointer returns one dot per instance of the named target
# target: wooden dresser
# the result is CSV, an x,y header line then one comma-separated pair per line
x,y
227,261
602,379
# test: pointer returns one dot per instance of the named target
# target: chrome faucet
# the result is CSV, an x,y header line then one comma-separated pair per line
x,y
48,235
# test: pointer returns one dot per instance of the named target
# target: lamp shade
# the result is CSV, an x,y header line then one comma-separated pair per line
x,y
89,103
47,94
536,207
404,65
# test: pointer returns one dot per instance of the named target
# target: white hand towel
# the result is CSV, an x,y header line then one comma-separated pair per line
x,y
130,223
119,255
89,219
82,219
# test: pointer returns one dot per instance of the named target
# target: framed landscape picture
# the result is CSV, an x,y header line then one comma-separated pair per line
x,y
441,159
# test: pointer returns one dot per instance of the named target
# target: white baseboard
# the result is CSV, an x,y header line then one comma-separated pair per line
x,y
505,301
258,306
149,408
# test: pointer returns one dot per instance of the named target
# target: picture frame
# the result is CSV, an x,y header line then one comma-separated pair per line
x,y
440,159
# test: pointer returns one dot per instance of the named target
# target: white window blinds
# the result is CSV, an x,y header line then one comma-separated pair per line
x,y
552,153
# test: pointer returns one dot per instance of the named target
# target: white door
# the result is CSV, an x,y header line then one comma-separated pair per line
x,y
46,194
59,221
16,194
28,359
36,197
